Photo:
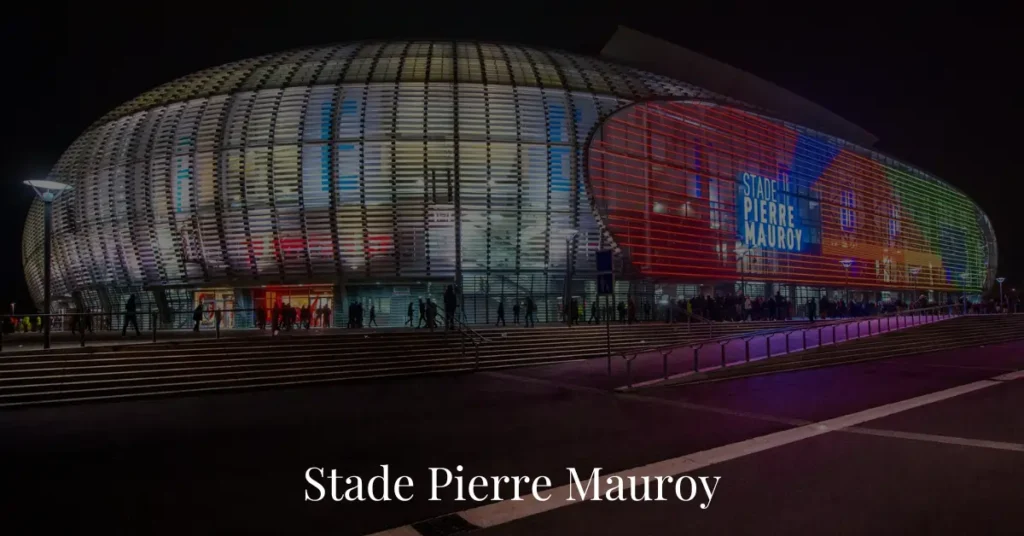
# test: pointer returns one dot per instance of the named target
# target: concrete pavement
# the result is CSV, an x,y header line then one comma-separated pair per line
x,y
234,463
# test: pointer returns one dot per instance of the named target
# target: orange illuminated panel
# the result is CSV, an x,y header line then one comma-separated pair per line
x,y
698,191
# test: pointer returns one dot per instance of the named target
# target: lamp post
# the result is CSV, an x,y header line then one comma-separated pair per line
x,y
568,274
847,263
1000,281
47,191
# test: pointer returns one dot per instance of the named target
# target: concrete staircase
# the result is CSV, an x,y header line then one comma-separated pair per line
x,y
97,373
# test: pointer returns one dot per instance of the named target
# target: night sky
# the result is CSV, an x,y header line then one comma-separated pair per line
x,y
938,88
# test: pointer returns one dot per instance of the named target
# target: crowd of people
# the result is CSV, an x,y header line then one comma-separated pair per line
x,y
718,308
284,317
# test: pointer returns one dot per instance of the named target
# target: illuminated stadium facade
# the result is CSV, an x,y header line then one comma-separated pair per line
x,y
384,171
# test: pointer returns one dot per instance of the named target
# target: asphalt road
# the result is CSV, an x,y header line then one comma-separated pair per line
x,y
235,463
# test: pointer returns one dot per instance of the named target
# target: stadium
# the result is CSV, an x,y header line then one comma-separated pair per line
x,y
381,172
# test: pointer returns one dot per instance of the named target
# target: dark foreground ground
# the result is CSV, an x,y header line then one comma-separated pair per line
x,y
235,463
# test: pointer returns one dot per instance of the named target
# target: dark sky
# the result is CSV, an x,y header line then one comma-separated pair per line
x,y
939,88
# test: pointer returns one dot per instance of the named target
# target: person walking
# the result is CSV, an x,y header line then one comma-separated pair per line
x,y
593,313
450,303
261,318
423,315
197,317
501,314
431,314
515,313
373,316
408,313
531,309
129,317
812,309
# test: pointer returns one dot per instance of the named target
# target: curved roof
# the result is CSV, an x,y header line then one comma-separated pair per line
x,y
411,62
631,47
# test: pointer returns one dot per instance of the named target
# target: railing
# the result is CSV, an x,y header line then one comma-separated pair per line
x,y
666,350
154,323
466,332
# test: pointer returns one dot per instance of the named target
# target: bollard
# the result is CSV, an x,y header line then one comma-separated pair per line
x,y
723,354
787,342
819,339
216,319
747,343
664,364
833,334
847,328
153,321
879,325
696,358
768,346
858,329
869,327
803,335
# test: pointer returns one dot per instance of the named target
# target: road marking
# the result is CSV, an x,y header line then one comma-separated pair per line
x,y
493,514
545,381
934,438
650,399
1016,375
404,530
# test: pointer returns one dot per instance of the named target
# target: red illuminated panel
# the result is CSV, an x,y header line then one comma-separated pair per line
x,y
667,180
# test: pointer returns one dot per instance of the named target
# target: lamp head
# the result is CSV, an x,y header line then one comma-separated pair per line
x,y
48,190
1000,280
846,263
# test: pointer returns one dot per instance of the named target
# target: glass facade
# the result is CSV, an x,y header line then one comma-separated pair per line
x,y
709,192
382,171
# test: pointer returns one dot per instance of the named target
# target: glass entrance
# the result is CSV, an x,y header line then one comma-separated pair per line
x,y
317,298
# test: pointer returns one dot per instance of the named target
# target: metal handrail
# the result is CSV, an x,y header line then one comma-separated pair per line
x,y
788,329
74,320
666,350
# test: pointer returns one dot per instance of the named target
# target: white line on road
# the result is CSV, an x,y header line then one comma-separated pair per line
x,y
1010,376
650,399
498,513
934,438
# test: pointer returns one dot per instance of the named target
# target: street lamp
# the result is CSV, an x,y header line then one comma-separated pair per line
x,y
1000,281
847,263
47,191
570,234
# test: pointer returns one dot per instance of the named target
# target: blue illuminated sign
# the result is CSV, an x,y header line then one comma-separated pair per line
x,y
768,216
